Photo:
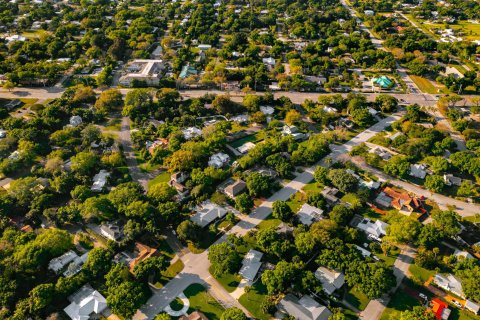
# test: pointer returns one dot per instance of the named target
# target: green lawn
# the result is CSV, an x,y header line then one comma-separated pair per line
x,y
239,142
350,198
163,177
269,223
357,299
427,86
313,187
176,304
114,125
420,274
296,201
229,281
201,300
252,301
390,259
400,301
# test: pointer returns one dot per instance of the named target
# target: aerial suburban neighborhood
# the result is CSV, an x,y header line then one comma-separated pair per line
x,y
234,160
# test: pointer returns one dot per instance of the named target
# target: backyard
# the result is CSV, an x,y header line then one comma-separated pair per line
x,y
202,301
253,299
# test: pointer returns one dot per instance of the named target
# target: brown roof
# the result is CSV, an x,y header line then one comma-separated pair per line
x,y
236,187
143,252
401,199
196,315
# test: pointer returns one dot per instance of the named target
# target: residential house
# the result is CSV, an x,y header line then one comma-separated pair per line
x,y
111,231
331,279
76,265
363,251
58,263
245,147
152,146
187,71
195,315
235,188
75,121
401,201
449,283
157,53
204,47
450,180
376,229
144,70
292,131
207,212
472,306
141,253
308,214
191,132
86,303
242,118
267,110
250,265
218,160
269,61
329,109
305,308
384,154
440,309
15,103
460,255
418,170
100,180
330,194
179,177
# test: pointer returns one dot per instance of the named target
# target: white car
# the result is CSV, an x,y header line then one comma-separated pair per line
x,y
423,296
458,304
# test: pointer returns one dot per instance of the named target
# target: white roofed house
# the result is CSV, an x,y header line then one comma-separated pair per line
x,y
58,263
450,180
235,188
331,279
111,231
100,180
377,229
207,212
86,304
76,265
191,132
418,170
269,61
75,121
218,160
146,70
250,265
309,214
245,147
305,308
449,283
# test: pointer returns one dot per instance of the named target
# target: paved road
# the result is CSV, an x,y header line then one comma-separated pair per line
x,y
375,307
196,265
464,209
126,141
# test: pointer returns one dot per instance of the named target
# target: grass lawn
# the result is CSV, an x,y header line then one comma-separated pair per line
x,y
239,142
400,301
201,300
313,187
426,85
252,301
419,273
296,201
462,315
114,125
176,304
357,299
170,273
228,281
390,259
163,177
269,223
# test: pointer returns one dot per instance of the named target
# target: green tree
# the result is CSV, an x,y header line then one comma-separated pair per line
x,y
233,314
342,180
341,214
403,229
417,313
244,203
127,298
161,192
152,266
41,296
85,162
188,230
386,103
224,258
259,184
320,175
109,101
373,279
98,262
279,279
282,211
434,183
397,166
447,222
